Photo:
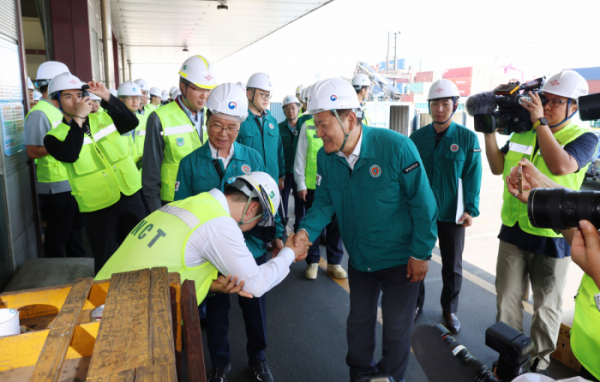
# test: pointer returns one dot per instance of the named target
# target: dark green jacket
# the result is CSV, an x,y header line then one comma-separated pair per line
x,y
290,142
458,156
385,208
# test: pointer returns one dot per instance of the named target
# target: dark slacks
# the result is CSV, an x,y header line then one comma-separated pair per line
x,y
399,297
452,244
299,207
217,325
335,250
63,225
108,227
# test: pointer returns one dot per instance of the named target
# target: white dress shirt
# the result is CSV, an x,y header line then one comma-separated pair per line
x,y
353,158
213,154
221,243
300,159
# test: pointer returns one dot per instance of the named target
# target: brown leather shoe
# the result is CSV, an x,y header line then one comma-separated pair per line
x,y
452,322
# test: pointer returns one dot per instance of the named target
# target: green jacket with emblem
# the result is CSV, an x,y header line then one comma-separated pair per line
x,y
197,174
385,207
458,156
522,146
161,238
266,142
104,168
181,138
585,340
49,170
289,140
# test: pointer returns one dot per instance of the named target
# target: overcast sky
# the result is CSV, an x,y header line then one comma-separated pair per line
x,y
540,37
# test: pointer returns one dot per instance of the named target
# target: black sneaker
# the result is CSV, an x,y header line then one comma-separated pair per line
x,y
260,370
219,374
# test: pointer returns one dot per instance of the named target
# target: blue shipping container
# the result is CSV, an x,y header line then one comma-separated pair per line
x,y
589,73
415,87
401,88
403,63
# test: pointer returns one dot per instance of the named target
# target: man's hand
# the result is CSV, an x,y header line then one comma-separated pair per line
x,y
302,194
299,244
277,247
99,89
417,269
535,108
281,183
585,250
465,220
84,108
530,177
227,285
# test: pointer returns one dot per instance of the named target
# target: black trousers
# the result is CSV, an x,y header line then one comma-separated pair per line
x,y
335,250
452,244
399,297
63,225
108,227
299,205
254,311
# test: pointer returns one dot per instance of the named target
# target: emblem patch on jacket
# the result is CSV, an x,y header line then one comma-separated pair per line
x,y
246,169
375,171
180,141
319,177
411,167
176,186
454,148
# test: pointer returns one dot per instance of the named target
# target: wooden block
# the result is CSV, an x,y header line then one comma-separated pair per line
x,y
122,342
57,343
156,373
161,324
192,335
175,286
563,352
124,376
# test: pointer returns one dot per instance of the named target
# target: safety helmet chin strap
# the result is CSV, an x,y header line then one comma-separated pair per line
x,y
252,100
346,134
242,222
451,115
567,114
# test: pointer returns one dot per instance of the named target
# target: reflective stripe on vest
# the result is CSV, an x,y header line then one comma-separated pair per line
x,y
585,340
160,240
48,169
104,168
522,146
140,135
181,139
314,144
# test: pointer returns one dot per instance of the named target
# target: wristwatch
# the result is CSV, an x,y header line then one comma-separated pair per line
x,y
541,121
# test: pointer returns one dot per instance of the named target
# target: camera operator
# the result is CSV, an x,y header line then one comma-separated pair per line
x,y
561,150
585,252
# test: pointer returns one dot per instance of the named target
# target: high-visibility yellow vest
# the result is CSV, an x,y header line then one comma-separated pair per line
x,y
49,170
149,109
181,138
522,146
314,145
104,169
140,134
161,238
585,341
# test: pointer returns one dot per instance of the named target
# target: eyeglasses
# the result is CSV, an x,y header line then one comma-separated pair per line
x,y
218,129
265,96
554,103
135,98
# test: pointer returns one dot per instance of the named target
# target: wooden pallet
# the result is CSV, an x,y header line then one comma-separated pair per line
x,y
138,339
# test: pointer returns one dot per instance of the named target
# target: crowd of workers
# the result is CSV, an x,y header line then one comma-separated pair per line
x,y
198,179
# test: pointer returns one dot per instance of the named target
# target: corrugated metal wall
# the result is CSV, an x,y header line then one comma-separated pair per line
x,y
400,120
276,109
8,21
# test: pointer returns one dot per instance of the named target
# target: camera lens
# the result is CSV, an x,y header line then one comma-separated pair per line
x,y
561,209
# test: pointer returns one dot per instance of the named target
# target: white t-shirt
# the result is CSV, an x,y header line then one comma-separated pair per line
x,y
221,243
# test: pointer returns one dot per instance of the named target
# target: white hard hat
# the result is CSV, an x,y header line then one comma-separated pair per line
x,y
262,186
361,80
154,91
299,90
37,95
260,81
242,85
443,88
129,89
164,95
304,94
290,99
143,84
48,70
94,97
198,71
173,90
228,101
64,81
568,84
113,91
176,94
332,94
30,84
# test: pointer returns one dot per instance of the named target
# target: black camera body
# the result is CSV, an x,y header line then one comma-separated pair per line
x,y
510,116
514,348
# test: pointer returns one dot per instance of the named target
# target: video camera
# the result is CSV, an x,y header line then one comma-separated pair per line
x,y
502,108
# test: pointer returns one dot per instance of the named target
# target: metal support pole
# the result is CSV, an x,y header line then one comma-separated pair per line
x,y
109,68
387,56
123,66
129,63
